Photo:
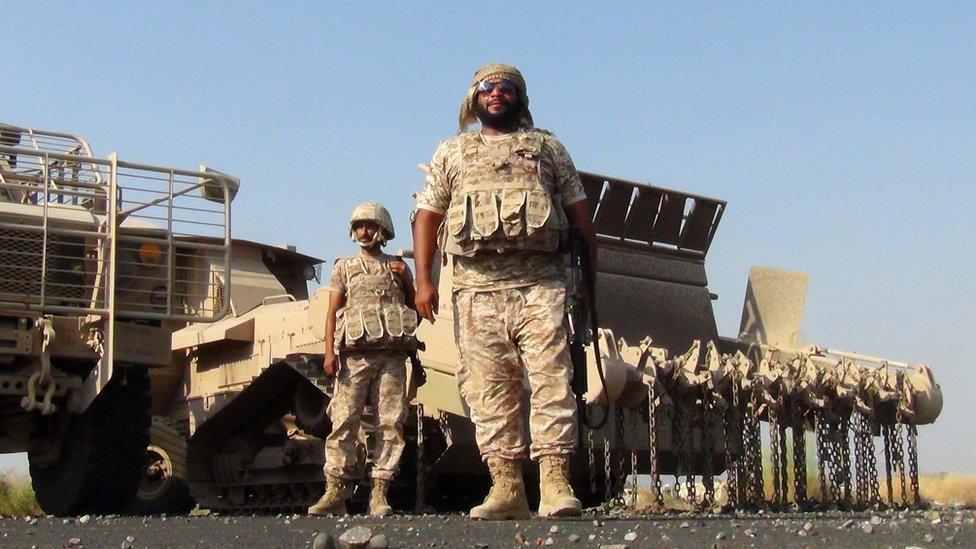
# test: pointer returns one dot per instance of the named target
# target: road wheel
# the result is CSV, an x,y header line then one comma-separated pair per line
x,y
163,486
102,452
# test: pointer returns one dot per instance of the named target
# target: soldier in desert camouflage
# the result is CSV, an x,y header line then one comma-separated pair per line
x,y
369,330
500,201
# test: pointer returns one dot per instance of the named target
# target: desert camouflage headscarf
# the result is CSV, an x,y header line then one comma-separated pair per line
x,y
495,70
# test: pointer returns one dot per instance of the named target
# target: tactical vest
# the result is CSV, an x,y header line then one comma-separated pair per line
x,y
501,203
376,315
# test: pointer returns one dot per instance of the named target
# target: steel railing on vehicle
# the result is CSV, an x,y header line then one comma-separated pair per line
x,y
83,235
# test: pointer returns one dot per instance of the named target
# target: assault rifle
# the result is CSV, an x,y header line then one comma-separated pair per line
x,y
581,297
416,368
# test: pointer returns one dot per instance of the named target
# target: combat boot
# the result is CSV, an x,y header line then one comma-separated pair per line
x,y
556,497
333,501
378,507
506,500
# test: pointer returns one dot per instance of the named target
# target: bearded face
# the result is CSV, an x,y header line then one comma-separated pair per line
x,y
498,108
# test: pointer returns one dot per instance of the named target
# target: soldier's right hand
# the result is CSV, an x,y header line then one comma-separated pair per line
x,y
425,300
331,365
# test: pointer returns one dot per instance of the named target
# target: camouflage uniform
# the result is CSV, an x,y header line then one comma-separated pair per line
x,y
373,333
508,295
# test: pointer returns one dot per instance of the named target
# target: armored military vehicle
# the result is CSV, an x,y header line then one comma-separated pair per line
x,y
682,399
100,260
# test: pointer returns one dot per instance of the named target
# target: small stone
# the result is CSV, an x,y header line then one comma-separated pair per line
x,y
378,541
929,538
802,533
74,542
720,536
867,527
84,519
749,532
573,538
519,538
665,539
875,520
597,523
808,526
591,537
630,536
355,537
549,541
848,523
553,529
130,539
684,525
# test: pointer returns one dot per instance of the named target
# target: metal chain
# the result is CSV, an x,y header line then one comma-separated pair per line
x,y
784,479
913,464
620,436
733,426
754,457
708,450
872,463
688,442
421,466
652,446
834,474
823,457
860,459
774,450
866,464
731,464
898,454
844,453
591,460
633,475
799,464
607,479
677,444
886,435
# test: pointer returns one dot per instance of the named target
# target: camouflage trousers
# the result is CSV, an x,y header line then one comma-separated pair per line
x,y
504,337
378,378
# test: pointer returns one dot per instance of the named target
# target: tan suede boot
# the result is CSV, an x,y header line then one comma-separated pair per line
x,y
333,501
378,507
556,495
506,500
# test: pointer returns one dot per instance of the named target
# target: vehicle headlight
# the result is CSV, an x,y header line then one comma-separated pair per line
x,y
150,253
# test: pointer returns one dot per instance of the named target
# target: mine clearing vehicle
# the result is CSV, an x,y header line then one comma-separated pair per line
x,y
150,361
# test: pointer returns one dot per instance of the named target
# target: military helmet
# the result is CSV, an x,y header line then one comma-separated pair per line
x,y
375,212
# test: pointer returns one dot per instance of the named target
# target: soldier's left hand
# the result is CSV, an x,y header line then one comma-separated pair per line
x,y
399,268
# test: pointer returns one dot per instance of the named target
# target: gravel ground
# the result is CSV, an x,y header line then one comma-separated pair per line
x,y
932,528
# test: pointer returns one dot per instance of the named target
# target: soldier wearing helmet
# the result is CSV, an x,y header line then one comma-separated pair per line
x,y
499,202
369,331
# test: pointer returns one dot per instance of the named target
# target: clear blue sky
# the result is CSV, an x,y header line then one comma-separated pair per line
x,y
843,135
